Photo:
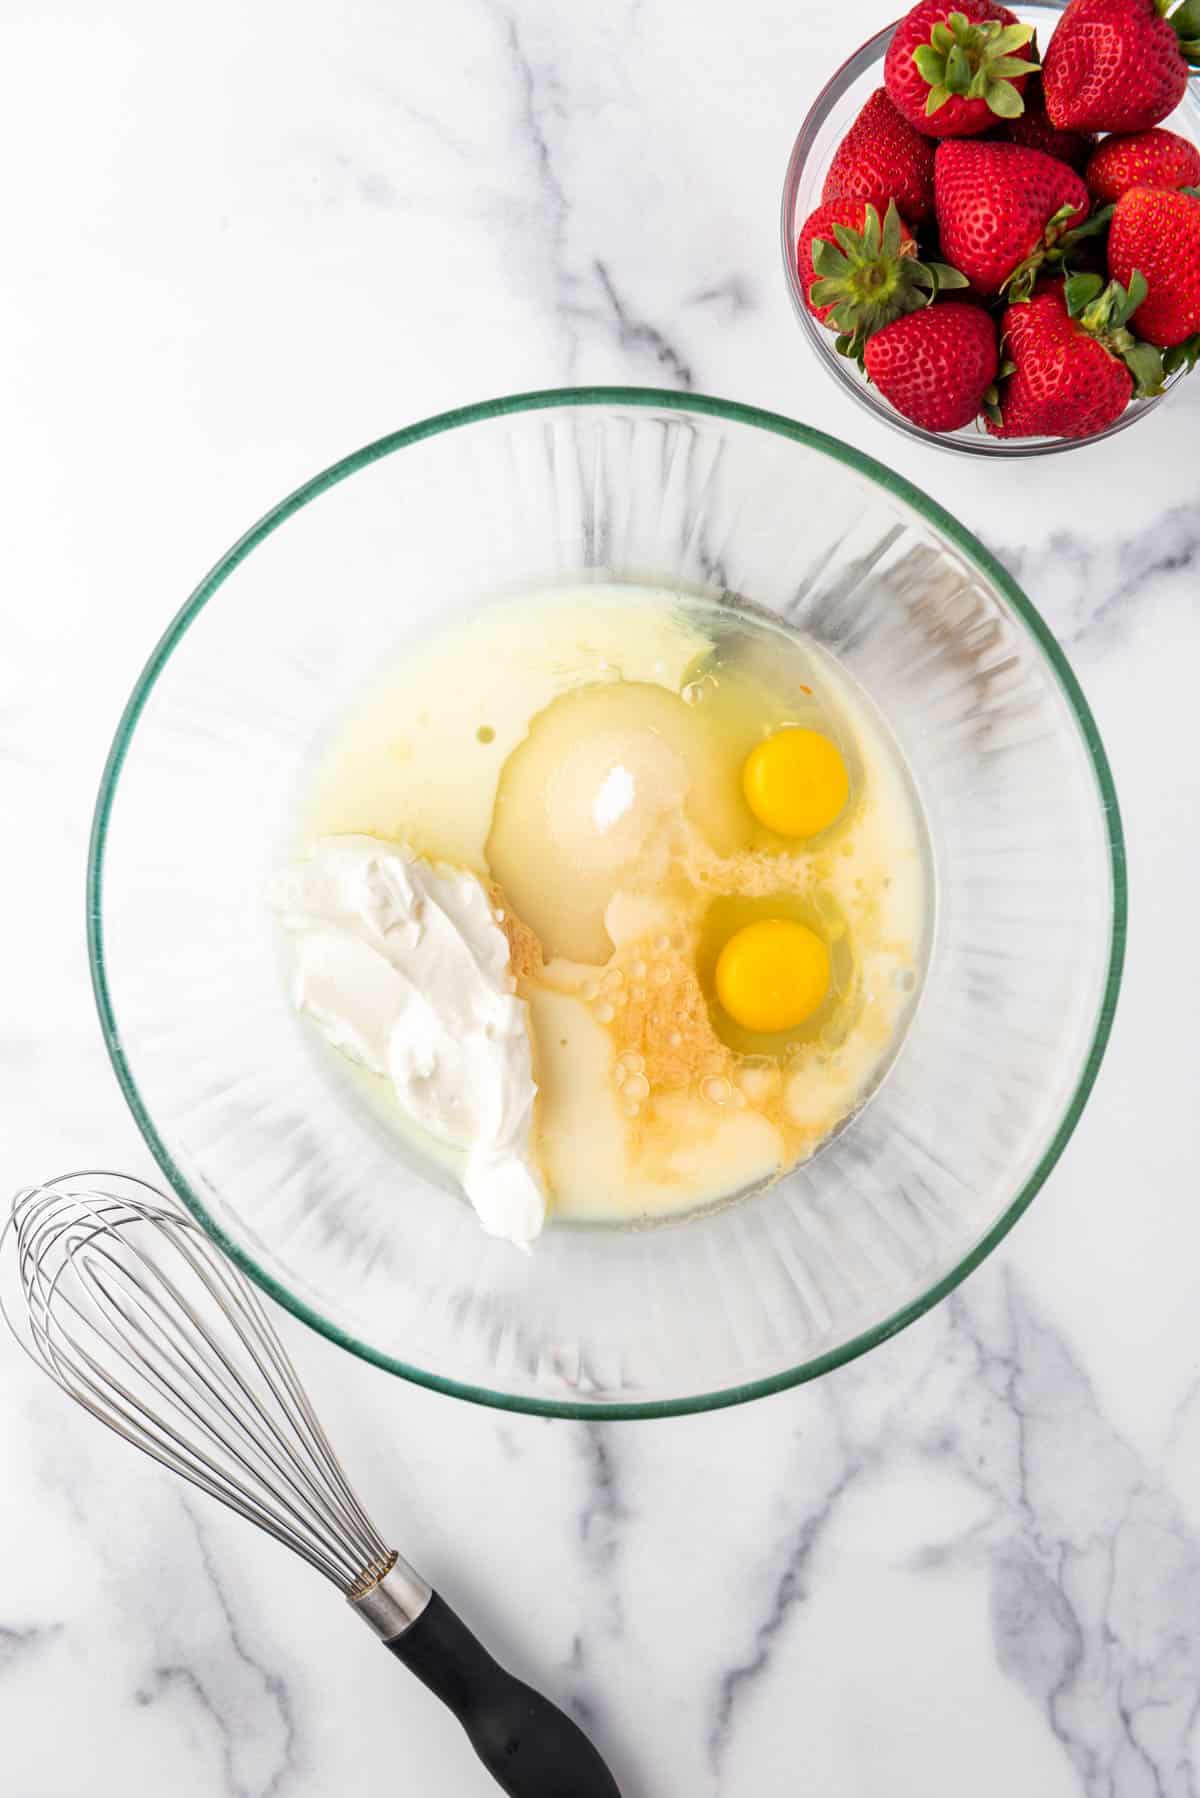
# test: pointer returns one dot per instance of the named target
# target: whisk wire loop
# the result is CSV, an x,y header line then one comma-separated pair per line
x,y
134,1312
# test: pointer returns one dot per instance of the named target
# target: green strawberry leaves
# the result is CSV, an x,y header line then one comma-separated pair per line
x,y
1095,226
1145,364
976,62
1080,290
1104,312
991,398
1183,355
872,276
1003,99
1185,21
1115,306
1103,307
1056,240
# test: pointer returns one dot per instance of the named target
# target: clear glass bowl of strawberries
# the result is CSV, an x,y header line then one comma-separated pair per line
x,y
991,220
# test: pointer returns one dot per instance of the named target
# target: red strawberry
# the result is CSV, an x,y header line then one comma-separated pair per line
x,y
883,158
1119,65
954,67
1158,232
859,273
1067,376
1034,130
1146,159
936,365
821,226
1000,208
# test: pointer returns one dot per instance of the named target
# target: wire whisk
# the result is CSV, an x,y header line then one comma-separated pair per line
x,y
133,1310
135,1313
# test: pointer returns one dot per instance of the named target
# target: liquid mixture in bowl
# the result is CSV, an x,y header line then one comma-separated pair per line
x,y
620,902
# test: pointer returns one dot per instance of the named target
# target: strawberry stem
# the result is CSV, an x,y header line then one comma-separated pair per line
x,y
976,62
1186,23
872,276
1055,241
1104,313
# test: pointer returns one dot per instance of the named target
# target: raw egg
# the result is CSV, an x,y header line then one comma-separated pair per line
x,y
773,975
796,782
777,972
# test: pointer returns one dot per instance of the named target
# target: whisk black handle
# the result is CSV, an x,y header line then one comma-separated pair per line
x,y
530,1747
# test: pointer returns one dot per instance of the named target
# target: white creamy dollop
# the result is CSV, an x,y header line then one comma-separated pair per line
x,y
402,965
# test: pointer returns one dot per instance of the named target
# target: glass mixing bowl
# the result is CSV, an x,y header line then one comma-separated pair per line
x,y
830,117
307,1190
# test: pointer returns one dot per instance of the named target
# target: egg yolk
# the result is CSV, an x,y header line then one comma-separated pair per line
x,y
795,782
772,975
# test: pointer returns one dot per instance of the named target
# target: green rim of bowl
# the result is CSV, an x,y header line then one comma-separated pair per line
x,y
675,402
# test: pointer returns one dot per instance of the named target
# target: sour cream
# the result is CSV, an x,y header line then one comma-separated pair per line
x,y
402,966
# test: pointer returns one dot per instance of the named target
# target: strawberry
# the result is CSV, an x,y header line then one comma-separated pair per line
x,y
1001,208
881,158
954,67
1033,129
1119,65
935,366
1145,159
859,273
1072,366
1158,232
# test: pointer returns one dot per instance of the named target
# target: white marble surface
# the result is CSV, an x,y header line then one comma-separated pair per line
x,y
239,241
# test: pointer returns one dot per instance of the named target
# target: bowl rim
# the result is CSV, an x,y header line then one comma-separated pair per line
x,y
673,401
866,57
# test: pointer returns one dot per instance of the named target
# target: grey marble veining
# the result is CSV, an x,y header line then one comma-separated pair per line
x,y
970,1562
1099,587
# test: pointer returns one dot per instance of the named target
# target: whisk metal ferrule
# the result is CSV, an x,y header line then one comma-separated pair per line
x,y
394,1600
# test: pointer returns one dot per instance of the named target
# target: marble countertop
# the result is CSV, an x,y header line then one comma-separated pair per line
x,y
240,242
